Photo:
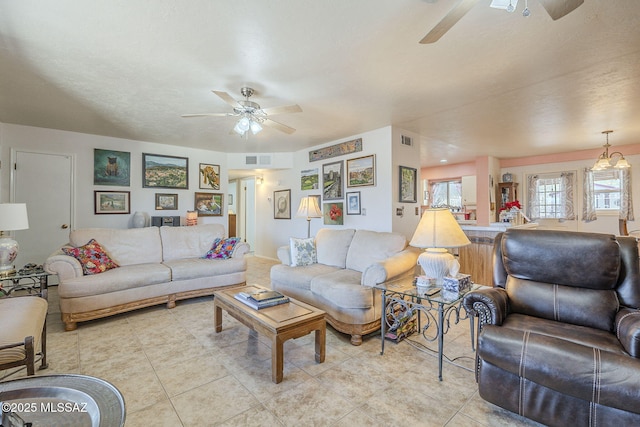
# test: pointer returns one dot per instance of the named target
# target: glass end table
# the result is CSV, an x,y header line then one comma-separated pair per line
x,y
31,278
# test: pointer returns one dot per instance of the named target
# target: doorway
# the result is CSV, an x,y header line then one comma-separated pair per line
x,y
43,181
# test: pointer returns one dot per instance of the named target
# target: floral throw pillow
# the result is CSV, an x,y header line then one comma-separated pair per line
x,y
222,248
303,252
92,256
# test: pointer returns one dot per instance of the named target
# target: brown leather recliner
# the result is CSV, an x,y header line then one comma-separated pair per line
x,y
559,335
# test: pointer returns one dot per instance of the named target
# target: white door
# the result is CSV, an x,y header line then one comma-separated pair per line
x,y
44,182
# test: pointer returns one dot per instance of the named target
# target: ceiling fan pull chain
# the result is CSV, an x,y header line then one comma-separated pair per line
x,y
510,8
526,12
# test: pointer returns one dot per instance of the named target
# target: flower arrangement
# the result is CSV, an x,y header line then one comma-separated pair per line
x,y
510,205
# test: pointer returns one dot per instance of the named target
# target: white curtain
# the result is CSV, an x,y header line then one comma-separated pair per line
x,y
588,196
533,210
626,201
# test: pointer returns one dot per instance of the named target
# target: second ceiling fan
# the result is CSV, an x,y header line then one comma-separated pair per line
x,y
555,8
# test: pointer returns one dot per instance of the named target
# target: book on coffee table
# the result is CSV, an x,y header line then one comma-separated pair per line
x,y
262,295
245,298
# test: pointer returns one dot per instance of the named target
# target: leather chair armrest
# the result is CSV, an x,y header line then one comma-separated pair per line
x,y
628,330
491,305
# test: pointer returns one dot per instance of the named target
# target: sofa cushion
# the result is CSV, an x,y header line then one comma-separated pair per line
x,y
189,242
125,277
332,246
92,257
303,251
192,268
125,246
222,248
368,247
298,277
342,288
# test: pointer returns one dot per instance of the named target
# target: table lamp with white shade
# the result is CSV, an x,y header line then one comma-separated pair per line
x,y
437,231
309,209
13,216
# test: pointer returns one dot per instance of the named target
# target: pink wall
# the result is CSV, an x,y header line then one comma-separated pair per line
x,y
448,171
593,154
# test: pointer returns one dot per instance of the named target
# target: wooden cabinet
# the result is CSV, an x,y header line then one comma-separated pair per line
x,y
476,258
505,192
232,225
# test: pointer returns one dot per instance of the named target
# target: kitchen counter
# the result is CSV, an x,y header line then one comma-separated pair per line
x,y
494,226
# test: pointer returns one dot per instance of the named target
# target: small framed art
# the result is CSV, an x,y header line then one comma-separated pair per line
x,y
165,171
332,180
166,201
111,202
361,171
282,204
408,185
209,177
353,203
208,204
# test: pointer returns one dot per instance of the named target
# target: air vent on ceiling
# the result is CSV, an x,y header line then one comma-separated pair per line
x,y
251,160
407,140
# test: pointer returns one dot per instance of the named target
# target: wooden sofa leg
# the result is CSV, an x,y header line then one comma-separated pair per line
x,y
171,303
356,339
70,326
30,355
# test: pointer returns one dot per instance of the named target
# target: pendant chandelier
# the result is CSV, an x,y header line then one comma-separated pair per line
x,y
606,161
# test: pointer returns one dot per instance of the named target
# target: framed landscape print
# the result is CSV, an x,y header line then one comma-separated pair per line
x,y
361,171
208,204
282,204
111,167
309,179
111,202
166,201
209,176
408,185
159,171
353,203
332,180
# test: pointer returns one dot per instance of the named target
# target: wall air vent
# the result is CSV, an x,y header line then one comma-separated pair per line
x,y
265,160
407,140
251,160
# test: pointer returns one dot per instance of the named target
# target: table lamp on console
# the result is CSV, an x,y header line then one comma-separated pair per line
x,y
437,231
309,208
13,216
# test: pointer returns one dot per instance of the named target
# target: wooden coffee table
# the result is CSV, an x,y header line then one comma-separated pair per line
x,y
278,323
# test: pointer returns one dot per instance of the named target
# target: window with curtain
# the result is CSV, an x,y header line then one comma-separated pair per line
x,y
607,191
550,196
446,194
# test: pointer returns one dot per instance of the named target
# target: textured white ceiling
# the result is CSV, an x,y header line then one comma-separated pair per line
x,y
497,84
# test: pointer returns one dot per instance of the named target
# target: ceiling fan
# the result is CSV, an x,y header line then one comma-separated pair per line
x,y
250,115
555,8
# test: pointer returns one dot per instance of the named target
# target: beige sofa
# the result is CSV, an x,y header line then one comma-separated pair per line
x,y
156,265
349,263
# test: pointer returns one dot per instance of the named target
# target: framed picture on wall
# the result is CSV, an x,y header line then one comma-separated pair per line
x,y
408,185
166,201
282,204
209,176
111,202
161,171
353,203
208,204
361,171
111,167
332,180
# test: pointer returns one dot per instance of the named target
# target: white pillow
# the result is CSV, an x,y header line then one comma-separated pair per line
x,y
303,252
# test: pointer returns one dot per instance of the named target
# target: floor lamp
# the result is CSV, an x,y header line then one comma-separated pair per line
x,y
437,231
13,216
309,208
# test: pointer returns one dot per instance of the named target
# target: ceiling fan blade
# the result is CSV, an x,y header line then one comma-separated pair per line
x,y
278,126
227,98
449,21
208,114
282,110
557,9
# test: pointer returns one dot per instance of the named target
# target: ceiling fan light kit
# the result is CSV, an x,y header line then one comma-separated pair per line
x,y
250,116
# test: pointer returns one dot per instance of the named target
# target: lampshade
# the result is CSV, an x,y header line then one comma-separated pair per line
x,y
13,216
309,208
192,218
606,160
438,229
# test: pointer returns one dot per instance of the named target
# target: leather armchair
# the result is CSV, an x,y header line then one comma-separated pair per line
x,y
559,333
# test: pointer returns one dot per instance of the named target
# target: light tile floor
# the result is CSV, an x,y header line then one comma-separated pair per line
x,y
173,370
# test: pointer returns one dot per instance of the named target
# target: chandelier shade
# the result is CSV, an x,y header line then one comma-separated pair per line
x,y
608,160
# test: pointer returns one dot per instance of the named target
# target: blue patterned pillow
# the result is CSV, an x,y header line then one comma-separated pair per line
x,y
303,252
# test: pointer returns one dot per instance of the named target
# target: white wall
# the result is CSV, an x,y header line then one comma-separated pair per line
x,y
81,147
408,156
377,200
